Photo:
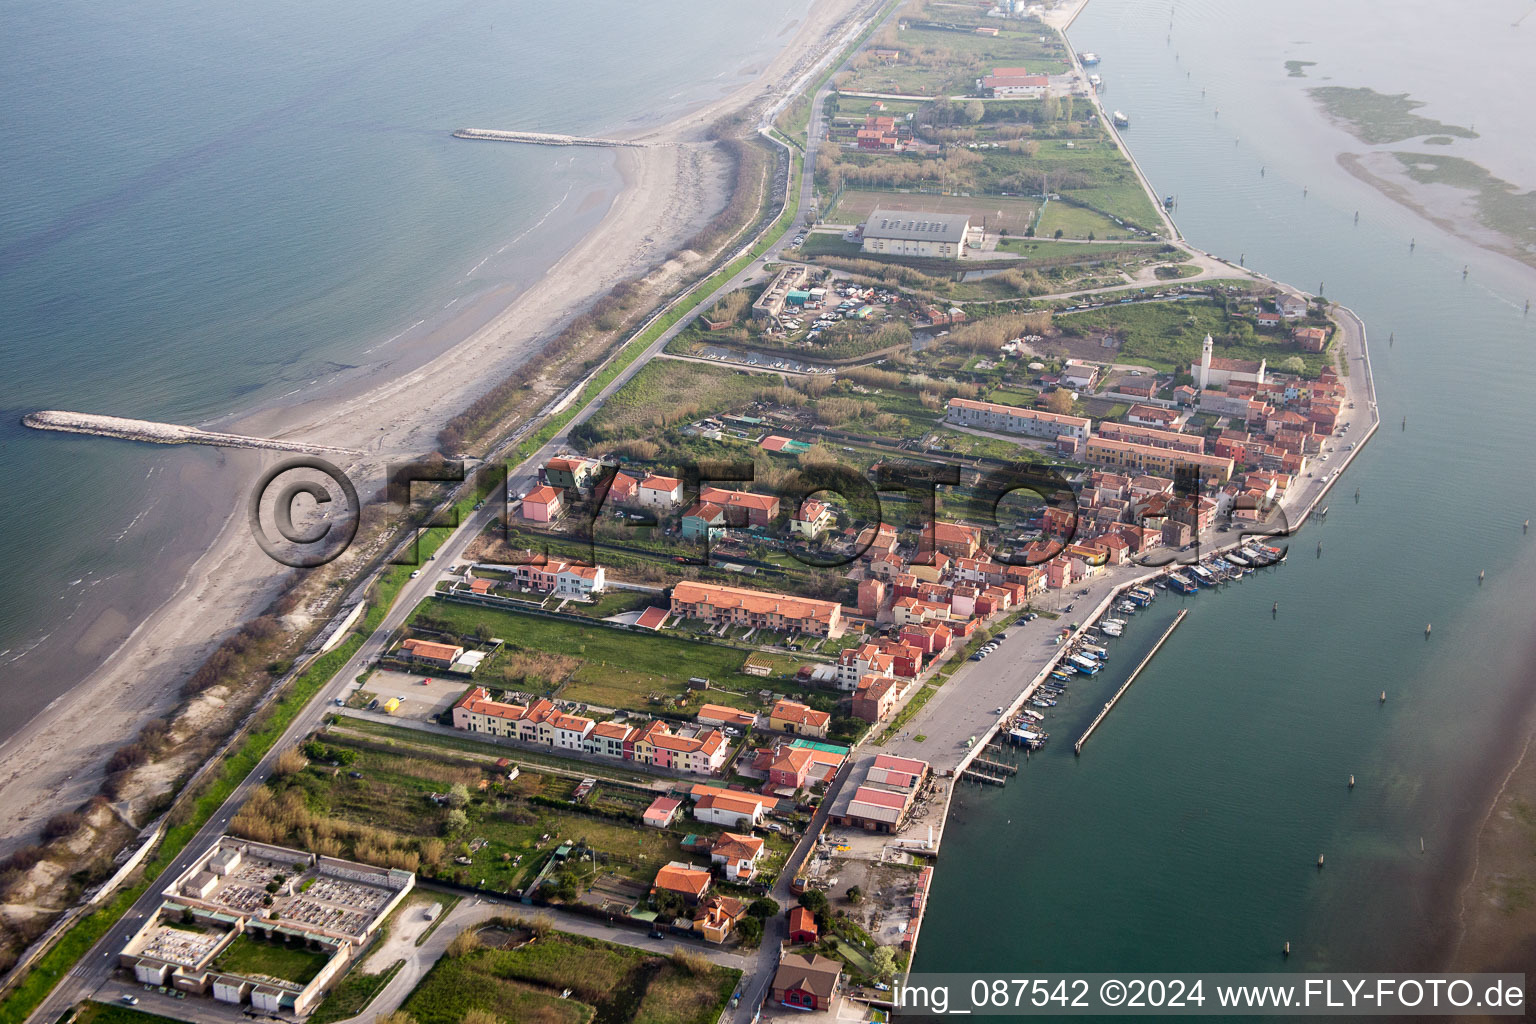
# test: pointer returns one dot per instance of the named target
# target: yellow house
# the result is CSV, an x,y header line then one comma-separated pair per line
x,y
798,720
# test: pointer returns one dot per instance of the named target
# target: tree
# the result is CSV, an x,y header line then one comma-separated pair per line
x,y
885,962
1059,401
750,931
855,894
562,886
764,907
668,904
1292,364
455,822
458,795
1058,233
975,111
815,901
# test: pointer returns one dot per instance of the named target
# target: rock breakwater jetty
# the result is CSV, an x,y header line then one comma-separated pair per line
x,y
539,138
166,433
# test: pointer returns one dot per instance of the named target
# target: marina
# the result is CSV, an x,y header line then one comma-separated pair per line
x,y
1077,748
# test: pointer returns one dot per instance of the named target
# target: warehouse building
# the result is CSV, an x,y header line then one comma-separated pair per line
x,y
913,233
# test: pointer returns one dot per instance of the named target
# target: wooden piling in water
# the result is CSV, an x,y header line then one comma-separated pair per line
x,y
1077,748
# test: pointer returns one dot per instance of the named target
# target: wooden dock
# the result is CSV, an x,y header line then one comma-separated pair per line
x,y
1077,748
993,773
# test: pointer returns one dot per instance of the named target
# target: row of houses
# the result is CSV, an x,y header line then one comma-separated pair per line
x,y
701,750
737,606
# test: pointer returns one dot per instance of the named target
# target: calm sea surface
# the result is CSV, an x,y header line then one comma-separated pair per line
x,y
204,207
1186,836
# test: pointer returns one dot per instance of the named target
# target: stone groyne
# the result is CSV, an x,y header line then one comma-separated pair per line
x,y
165,433
538,138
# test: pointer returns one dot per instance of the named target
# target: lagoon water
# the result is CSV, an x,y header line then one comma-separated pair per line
x,y
1187,834
208,207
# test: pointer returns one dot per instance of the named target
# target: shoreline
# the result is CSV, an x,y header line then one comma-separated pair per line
x,y
668,191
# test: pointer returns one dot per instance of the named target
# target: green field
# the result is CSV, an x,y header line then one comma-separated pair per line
x,y
665,393
937,61
1076,222
616,984
389,805
618,667
251,956
1168,335
1047,251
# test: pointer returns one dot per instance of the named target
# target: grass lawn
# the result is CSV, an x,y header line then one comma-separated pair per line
x,y
1024,399
1076,222
613,602
1168,335
1048,251
676,997
617,984
247,955
823,243
350,996
619,668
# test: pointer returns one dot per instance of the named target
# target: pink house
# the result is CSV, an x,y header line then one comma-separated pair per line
x,y
542,504
661,812
623,487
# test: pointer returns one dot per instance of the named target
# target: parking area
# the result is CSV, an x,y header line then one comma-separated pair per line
x,y
421,696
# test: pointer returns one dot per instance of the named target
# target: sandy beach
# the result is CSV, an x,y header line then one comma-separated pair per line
x,y
394,409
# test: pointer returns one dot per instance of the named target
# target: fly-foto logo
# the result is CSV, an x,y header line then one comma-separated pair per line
x,y
304,512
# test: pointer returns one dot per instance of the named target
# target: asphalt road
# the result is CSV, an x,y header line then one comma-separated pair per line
x,y
95,969
961,708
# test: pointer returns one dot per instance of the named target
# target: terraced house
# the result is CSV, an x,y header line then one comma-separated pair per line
x,y
715,604
691,748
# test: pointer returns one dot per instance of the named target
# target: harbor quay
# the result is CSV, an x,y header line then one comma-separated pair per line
x,y
972,714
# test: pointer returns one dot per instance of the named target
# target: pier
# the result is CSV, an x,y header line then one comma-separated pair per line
x,y
166,433
983,770
1077,748
539,138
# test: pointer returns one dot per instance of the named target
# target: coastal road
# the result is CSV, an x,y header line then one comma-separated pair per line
x,y
95,969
